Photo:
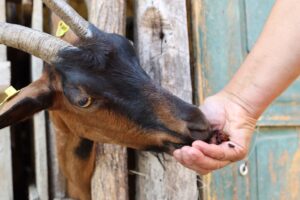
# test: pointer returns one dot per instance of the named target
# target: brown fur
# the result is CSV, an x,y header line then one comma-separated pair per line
x,y
77,171
126,108
67,139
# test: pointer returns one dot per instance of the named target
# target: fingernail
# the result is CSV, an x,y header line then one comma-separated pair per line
x,y
231,145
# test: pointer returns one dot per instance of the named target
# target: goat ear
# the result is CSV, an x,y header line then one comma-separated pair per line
x,y
30,100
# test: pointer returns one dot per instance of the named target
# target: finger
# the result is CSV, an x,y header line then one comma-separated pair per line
x,y
178,156
201,171
196,159
211,150
229,151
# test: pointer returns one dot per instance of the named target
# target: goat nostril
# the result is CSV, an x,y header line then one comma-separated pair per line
x,y
198,126
200,131
200,135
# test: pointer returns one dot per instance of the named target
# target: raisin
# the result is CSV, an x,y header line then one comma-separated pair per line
x,y
221,136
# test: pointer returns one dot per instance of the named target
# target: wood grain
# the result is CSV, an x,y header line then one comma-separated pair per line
x,y
162,43
2,18
219,37
110,176
57,181
6,185
39,123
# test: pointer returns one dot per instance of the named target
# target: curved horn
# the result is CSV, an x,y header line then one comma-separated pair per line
x,y
34,42
79,25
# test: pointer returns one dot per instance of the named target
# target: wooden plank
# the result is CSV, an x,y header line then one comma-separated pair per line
x,y
40,136
108,16
33,193
195,22
162,41
58,183
110,176
228,183
219,37
223,43
58,186
5,73
6,187
2,18
278,166
273,169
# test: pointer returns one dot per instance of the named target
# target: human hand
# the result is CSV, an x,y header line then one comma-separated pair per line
x,y
230,115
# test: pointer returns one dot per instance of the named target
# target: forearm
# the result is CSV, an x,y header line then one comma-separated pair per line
x,y
274,62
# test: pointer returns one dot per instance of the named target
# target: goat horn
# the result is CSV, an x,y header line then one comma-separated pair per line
x,y
34,42
79,25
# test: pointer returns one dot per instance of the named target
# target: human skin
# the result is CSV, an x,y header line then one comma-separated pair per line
x,y
272,65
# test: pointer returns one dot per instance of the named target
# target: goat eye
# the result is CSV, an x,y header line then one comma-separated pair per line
x,y
85,102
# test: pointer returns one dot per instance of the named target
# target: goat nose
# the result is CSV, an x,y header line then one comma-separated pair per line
x,y
198,125
201,134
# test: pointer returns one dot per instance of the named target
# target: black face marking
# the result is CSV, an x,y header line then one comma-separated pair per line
x,y
25,109
107,69
157,149
84,149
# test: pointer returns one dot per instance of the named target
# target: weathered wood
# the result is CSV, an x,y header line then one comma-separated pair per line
x,y
6,185
219,32
109,16
5,73
33,193
40,136
58,183
162,41
195,22
278,154
58,186
3,56
273,165
110,176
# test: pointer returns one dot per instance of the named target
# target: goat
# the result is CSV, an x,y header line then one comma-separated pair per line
x,y
96,91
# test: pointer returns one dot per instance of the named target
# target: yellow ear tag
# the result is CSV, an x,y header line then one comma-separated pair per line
x,y
8,94
62,29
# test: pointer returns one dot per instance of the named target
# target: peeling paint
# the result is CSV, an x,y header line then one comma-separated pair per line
x,y
271,168
293,179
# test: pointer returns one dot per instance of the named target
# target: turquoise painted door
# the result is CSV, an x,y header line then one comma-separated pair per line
x,y
227,30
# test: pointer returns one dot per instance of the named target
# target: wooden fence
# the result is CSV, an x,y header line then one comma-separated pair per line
x,y
162,43
6,191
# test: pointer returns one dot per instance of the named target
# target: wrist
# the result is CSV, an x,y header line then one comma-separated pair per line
x,y
241,105
253,98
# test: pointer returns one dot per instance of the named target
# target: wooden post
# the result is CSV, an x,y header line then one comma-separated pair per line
x,y
40,132
110,176
6,185
162,42
58,186
58,183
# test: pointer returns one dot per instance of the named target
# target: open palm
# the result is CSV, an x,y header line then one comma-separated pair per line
x,y
228,114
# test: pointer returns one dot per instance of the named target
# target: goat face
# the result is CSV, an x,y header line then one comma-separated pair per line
x,y
99,91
